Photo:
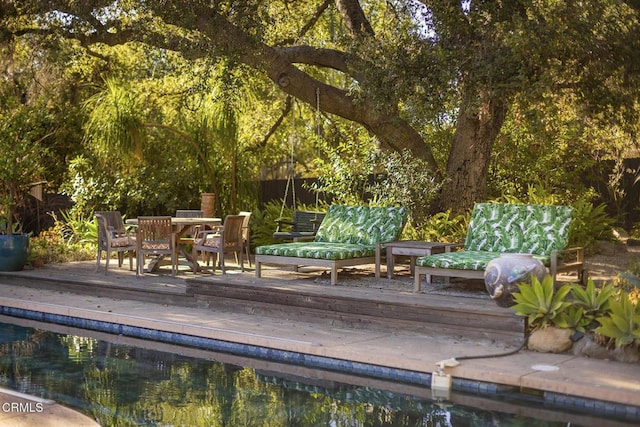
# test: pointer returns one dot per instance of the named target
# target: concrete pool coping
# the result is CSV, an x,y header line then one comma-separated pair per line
x,y
598,384
23,410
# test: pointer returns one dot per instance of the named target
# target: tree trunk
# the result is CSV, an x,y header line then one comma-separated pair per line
x,y
466,175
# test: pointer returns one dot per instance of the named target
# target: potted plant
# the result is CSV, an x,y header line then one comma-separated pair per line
x,y
22,129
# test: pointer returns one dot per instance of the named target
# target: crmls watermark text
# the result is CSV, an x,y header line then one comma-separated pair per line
x,y
22,407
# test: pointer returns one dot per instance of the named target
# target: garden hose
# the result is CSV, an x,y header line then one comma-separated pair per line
x,y
455,361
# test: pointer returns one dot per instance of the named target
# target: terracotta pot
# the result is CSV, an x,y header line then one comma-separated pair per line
x,y
207,204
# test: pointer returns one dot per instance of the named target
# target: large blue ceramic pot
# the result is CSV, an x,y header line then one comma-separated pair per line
x,y
503,274
14,250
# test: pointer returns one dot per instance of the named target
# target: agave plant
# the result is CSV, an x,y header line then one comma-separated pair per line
x,y
572,318
593,301
622,324
540,303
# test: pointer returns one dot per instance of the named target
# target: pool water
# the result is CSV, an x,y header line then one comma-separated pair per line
x,y
128,382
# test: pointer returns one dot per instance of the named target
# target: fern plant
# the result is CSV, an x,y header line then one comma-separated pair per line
x,y
540,303
264,224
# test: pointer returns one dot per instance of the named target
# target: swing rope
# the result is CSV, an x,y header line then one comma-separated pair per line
x,y
290,179
318,133
290,183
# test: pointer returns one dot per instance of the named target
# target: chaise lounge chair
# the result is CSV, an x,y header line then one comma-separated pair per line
x,y
348,236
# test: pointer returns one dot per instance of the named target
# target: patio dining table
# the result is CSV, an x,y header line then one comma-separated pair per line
x,y
181,225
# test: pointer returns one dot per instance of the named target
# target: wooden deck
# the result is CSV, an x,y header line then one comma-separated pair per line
x,y
358,301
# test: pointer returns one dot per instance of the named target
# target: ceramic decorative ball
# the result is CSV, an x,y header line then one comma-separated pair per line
x,y
503,274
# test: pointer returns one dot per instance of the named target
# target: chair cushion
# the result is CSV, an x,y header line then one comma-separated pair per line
x,y
160,246
210,240
318,250
513,228
465,260
119,242
361,225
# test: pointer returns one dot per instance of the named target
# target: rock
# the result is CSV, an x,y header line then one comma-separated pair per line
x,y
628,354
588,347
550,340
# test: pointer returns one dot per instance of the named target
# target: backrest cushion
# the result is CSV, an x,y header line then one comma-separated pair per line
x,y
363,225
513,228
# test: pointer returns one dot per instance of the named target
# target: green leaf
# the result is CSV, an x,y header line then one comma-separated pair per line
x,y
539,292
620,322
562,292
528,293
547,288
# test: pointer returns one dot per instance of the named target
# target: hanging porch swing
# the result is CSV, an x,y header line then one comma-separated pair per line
x,y
303,224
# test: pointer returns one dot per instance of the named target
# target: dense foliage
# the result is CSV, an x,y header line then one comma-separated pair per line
x,y
22,132
492,97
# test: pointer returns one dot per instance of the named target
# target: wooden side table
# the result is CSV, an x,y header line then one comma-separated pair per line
x,y
414,249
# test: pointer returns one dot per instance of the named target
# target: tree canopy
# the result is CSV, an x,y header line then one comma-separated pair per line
x,y
400,69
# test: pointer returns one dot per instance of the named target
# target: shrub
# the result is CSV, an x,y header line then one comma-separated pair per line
x,y
60,244
590,224
629,282
263,222
441,227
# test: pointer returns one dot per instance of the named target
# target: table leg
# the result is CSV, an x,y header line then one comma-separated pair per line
x,y
390,263
191,262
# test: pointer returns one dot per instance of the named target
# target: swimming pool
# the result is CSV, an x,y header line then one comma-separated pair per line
x,y
121,381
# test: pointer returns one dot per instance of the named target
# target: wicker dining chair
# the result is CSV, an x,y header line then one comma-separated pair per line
x,y
113,237
155,236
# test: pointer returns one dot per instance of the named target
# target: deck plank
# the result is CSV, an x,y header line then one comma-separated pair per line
x,y
384,304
